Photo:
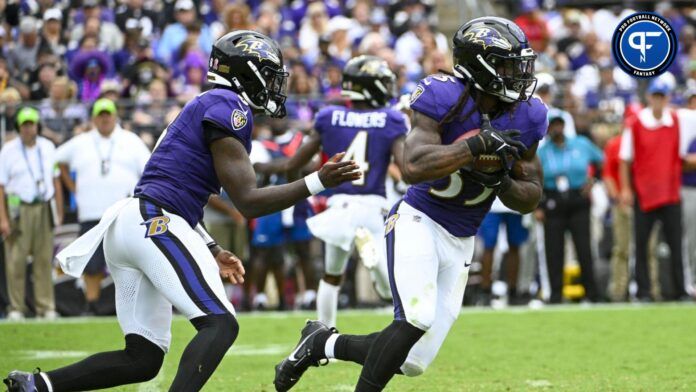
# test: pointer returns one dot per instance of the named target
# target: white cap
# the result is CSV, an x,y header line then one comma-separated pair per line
x,y
339,22
29,24
53,13
184,5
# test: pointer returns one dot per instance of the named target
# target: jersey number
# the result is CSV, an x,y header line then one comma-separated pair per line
x,y
357,151
454,188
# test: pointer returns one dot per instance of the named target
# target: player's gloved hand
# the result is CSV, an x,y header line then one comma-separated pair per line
x,y
493,141
231,267
500,181
335,172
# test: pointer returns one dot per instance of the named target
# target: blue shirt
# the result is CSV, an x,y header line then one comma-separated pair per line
x,y
571,161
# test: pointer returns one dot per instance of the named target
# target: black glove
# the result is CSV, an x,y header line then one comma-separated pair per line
x,y
500,181
492,141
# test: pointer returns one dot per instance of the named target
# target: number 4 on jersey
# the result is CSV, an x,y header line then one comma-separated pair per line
x,y
357,151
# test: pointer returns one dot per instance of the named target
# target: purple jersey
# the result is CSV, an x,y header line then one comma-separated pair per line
x,y
458,204
367,136
180,175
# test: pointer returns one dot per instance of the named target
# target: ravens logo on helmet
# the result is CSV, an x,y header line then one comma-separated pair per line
x,y
494,55
369,79
251,64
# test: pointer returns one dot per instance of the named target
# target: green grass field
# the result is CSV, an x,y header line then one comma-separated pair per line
x,y
628,348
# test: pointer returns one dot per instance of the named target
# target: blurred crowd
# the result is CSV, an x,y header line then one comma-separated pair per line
x,y
95,73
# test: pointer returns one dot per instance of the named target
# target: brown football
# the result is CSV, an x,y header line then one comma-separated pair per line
x,y
485,163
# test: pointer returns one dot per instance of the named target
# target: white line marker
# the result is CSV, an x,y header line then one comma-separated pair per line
x,y
539,383
254,350
51,354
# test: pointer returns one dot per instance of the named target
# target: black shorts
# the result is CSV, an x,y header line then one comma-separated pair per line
x,y
97,264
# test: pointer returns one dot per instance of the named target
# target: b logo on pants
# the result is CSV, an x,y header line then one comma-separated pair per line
x,y
156,226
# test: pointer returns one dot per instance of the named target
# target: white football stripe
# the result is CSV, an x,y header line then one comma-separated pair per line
x,y
51,354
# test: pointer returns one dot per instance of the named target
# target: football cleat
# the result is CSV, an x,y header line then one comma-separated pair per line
x,y
289,371
18,381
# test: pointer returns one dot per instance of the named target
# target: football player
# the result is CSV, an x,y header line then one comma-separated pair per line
x,y
370,133
158,253
485,108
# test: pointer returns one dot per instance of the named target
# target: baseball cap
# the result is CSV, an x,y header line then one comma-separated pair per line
x,y
52,13
27,114
90,3
556,115
29,24
659,86
184,5
103,105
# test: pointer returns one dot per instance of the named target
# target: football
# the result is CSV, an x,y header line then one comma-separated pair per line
x,y
485,163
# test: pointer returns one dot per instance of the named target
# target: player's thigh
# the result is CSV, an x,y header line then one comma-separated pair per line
x,y
335,260
140,308
455,257
177,262
412,263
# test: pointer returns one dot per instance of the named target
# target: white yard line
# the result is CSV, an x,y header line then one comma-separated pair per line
x,y
50,354
254,350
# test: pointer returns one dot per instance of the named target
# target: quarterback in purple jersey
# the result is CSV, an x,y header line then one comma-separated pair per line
x,y
157,252
430,233
370,133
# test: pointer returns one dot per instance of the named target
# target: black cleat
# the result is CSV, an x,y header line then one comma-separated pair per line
x,y
289,371
18,381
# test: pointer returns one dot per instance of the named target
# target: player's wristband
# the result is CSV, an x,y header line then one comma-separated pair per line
x,y
313,183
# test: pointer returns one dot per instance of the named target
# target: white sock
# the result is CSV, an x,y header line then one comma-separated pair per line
x,y
309,296
327,303
329,347
260,299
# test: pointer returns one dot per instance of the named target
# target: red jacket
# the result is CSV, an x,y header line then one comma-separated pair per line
x,y
657,167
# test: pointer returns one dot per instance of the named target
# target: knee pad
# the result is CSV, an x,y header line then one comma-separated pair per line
x,y
421,321
224,326
412,368
146,357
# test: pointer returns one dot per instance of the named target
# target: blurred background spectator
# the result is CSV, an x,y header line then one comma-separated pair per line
x,y
100,167
28,181
567,165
